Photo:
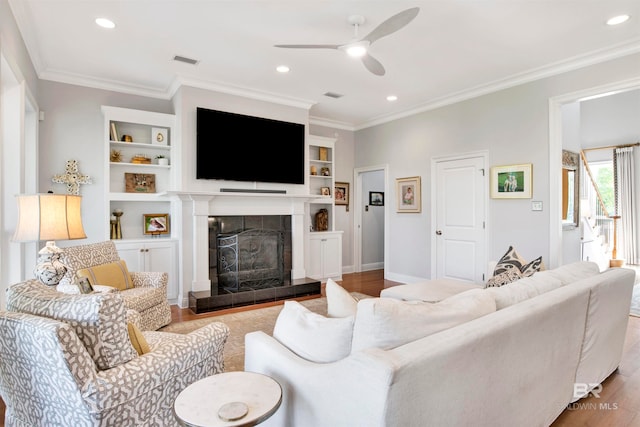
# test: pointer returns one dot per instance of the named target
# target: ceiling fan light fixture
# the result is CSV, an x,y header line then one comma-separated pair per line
x,y
356,50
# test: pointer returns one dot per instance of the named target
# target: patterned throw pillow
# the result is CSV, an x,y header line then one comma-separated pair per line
x,y
509,260
509,275
138,341
512,267
532,267
114,274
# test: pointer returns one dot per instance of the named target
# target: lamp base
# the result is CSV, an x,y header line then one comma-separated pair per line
x,y
49,270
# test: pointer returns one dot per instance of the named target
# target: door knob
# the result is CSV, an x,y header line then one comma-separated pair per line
x,y
439,232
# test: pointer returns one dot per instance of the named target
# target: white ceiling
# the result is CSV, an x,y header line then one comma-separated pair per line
x,y
452,50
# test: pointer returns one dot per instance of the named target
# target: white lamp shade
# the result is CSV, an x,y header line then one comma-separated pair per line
x,y
49,217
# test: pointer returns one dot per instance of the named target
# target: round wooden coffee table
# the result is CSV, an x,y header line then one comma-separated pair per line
x,y
228,399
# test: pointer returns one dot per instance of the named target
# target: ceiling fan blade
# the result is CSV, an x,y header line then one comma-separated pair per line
x,y
392,24
373,65
308,46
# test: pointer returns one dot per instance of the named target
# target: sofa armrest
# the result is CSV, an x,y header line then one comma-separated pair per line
x,y
305,400
154,380
149,279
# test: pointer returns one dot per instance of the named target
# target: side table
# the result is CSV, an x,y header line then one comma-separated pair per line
x,y
228,399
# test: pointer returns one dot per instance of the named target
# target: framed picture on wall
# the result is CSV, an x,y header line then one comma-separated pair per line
x,y
341,193
511,181
376,198
408,194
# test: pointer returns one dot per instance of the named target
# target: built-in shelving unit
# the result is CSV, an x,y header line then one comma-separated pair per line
x,y
150,135
321,178
324,247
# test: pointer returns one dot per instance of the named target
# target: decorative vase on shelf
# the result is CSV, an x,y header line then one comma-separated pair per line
x,y
117,232
163,161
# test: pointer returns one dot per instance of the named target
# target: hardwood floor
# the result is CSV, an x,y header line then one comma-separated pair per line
x,y
619,401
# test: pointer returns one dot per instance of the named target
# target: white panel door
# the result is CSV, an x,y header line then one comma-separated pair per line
x,y
460,233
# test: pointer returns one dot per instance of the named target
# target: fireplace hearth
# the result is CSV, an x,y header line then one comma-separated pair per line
x,y
249,263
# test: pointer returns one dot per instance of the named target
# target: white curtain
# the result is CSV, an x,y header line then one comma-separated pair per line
x,y
626,205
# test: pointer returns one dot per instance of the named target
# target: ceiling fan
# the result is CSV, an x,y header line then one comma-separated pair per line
x,y
359,47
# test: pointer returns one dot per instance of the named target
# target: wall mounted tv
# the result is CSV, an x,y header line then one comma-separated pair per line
x,y
236,147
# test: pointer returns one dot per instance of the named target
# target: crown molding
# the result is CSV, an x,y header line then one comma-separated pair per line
x,y
580,61
244,92
335,124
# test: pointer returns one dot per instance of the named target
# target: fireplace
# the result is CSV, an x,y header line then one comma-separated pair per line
x,y
250,261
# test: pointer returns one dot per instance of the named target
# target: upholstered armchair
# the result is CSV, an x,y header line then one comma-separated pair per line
x,y
68,360
148,294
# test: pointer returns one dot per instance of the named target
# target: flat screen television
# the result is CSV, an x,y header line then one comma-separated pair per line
x,y
236,147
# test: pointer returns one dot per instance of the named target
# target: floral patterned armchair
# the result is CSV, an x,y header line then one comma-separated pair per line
x,y
68,360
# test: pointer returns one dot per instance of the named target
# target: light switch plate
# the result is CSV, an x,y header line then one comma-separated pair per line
x,y
536,205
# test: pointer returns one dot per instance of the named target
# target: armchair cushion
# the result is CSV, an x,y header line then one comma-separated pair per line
x,y
83,256
113,274
99,320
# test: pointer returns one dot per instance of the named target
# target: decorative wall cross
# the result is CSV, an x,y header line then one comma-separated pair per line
x,y
72,178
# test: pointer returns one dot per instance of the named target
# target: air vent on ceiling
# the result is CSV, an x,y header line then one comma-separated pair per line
x,y
185,60
333,95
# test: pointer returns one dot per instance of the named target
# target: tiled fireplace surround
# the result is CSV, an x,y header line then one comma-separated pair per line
x,y
201,211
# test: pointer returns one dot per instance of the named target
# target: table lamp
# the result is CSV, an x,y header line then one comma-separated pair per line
x,y
49,217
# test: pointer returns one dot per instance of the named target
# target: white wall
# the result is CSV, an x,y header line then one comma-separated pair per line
x,y
18,85
513,124
73,129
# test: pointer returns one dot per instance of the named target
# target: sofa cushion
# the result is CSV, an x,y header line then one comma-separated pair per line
x,y
340,303
141,299
387,323
100,320
312,336
575,271
524,288
429,291
114,274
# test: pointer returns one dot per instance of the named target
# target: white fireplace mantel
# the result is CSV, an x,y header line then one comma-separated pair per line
x,y
199,206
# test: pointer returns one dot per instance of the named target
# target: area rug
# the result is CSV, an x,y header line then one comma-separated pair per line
x,y
262,319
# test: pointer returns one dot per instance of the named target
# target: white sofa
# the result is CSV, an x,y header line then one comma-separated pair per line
x,y
517,366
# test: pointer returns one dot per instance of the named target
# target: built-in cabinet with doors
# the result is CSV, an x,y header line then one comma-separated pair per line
x,y
140,154
158,255
324,243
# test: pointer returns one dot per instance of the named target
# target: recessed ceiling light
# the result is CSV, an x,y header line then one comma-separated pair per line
x,y
618,19
105,23
282,69
392,98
